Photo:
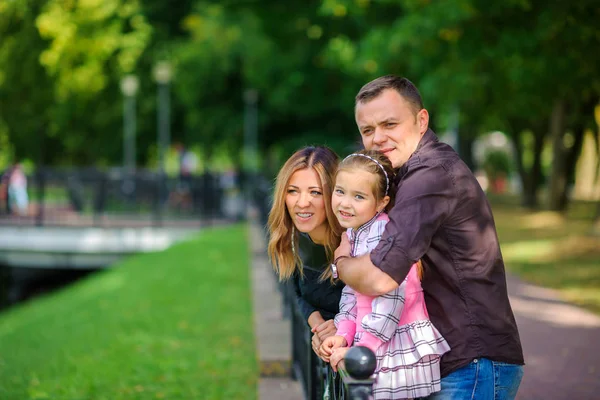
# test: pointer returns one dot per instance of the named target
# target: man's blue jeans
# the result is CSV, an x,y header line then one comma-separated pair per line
x,y
482,379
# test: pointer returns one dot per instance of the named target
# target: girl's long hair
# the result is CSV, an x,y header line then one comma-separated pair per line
x,y
283,238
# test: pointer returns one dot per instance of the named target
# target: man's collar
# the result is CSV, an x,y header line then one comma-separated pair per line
x,y
428,137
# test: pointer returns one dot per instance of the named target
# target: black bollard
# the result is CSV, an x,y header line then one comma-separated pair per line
x,y
360,362
357,373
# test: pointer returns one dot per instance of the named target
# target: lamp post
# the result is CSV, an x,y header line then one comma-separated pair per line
x,y
129,88
162,75
250,144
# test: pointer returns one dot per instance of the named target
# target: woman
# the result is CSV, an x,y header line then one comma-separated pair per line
x,y
304,232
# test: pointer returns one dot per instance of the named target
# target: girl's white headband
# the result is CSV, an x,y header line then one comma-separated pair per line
x,y
387,179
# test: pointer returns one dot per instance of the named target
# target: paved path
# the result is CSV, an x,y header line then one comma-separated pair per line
x,y
273,332
561,345
561,342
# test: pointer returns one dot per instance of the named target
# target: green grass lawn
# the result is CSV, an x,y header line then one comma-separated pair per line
x,y
171,325
552,250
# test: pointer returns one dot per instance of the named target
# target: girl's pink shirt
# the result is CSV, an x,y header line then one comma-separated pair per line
x,y
414,310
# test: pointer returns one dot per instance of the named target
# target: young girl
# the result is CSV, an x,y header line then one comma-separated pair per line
x,y
395,326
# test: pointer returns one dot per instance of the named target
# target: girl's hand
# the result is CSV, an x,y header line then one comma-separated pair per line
x,y
329,345
324,330
337,356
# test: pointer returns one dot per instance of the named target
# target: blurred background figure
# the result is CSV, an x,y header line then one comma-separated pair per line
x,y
183,196
18,200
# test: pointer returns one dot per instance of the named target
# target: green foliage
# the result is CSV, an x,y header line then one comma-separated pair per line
x,y
174,325
500,64
89,38
25,90
61,63
497,163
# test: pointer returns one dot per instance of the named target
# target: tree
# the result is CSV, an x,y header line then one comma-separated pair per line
x,y
26,92
62,62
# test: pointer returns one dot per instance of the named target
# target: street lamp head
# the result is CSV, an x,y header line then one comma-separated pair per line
x,y
129,85
163,72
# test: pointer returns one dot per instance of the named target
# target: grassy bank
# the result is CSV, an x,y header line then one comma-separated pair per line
x,y
552,250
169,325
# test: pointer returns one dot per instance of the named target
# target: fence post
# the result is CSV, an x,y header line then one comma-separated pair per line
x,y
41,186
357,370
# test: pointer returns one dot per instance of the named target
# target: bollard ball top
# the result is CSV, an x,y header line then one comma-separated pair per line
x,y
360,362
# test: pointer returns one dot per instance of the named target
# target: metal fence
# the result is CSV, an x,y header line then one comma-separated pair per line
x,y
354,380
114,198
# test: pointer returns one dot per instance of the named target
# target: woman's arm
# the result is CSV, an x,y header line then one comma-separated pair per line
x,y
315,319
309,312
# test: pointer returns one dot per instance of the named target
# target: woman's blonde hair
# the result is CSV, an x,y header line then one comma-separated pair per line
x,y
283,238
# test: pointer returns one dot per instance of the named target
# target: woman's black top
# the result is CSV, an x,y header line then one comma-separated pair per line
x,y
312,295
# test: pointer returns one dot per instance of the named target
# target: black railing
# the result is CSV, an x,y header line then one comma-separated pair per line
x,y
114,198
354,380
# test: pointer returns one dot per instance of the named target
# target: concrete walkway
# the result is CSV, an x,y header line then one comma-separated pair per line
x,y
561,342
273,332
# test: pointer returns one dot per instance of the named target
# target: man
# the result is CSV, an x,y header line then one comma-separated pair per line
x,y
442,217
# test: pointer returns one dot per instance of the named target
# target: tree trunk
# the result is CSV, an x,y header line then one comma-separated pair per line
x,y
582,118
571,162
558,177
465,147
515,138
530,179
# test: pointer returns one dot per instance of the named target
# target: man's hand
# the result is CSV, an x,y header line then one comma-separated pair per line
x,y
329,345
337,356
344,247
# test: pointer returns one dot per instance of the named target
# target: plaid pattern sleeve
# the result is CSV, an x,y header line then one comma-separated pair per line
x,y
384,318
374,235
345,320
385,310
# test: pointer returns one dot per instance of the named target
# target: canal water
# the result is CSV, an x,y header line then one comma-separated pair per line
x,y
18,285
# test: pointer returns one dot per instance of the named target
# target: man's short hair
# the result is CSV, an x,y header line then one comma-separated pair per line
x,y
403,86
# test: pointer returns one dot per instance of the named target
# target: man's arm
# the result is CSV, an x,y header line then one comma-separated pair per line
x,y
424,203
364,277
359,272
